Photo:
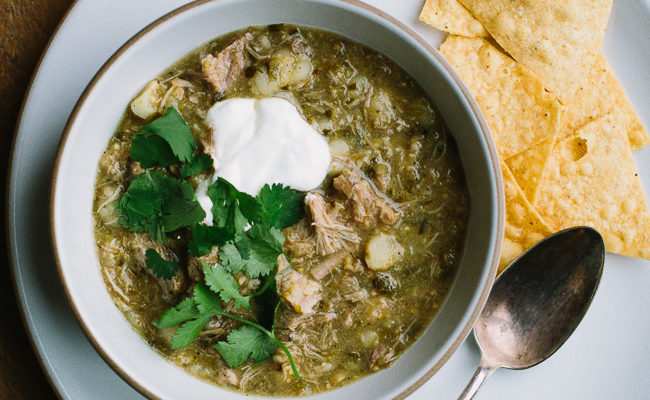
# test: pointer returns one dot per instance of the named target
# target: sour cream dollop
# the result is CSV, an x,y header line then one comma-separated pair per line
x,y
260,141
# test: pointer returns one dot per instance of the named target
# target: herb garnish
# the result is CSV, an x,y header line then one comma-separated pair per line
x,y
230,207
280,206
246,341
223,283
247,229
276,206
159,266
156,203
193,313
165,141
205,237
199,163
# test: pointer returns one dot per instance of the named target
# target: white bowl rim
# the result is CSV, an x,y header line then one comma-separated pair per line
x,y
460,85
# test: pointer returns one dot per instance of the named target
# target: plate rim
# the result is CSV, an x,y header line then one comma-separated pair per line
x,y
57,388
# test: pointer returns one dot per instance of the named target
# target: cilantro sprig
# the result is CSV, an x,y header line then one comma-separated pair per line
x,y
244,342
275,207
248,232
223,283
157,204
247,229
280,207
194,313
165,141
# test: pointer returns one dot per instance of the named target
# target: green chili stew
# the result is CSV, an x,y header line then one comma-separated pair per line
x,y
286,292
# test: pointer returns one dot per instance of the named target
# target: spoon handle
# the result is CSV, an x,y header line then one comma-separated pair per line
x,y
481,374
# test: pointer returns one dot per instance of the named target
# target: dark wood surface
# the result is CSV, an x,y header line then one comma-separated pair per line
x,y
25,27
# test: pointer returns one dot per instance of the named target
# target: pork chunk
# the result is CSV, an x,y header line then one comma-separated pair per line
x,y
331,235
300,242
224,68
368,208
170,287
302,293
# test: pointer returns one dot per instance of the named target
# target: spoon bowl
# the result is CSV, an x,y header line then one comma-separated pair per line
x,y
537,302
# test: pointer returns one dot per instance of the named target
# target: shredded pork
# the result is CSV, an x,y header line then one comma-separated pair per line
x,y
331,235
367,207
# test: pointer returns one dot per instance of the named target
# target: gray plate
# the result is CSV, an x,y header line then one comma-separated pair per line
x,y
602,360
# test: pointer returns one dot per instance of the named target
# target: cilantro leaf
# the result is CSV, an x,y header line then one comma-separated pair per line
x,y
204,237
230,258
238,221
225,284
165,141
186,333
173,316
180,212
272,237
151,150
255,253
249,265
280,206
247,203
225,197
139,208
173,128
255,268
249,206
243,342
157,204
207,301
265,247
161,268
243,243
199,162
222,201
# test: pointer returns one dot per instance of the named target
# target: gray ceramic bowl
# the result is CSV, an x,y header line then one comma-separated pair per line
x,y
99,110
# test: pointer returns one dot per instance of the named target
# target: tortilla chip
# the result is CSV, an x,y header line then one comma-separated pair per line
x,y
519,112
557,40
591,179
601,95
524,226
528,167
450,16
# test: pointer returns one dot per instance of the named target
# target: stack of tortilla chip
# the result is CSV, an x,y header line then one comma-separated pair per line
x,y
563,127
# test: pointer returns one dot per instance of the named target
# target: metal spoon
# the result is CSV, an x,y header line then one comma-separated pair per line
x,y
537,302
